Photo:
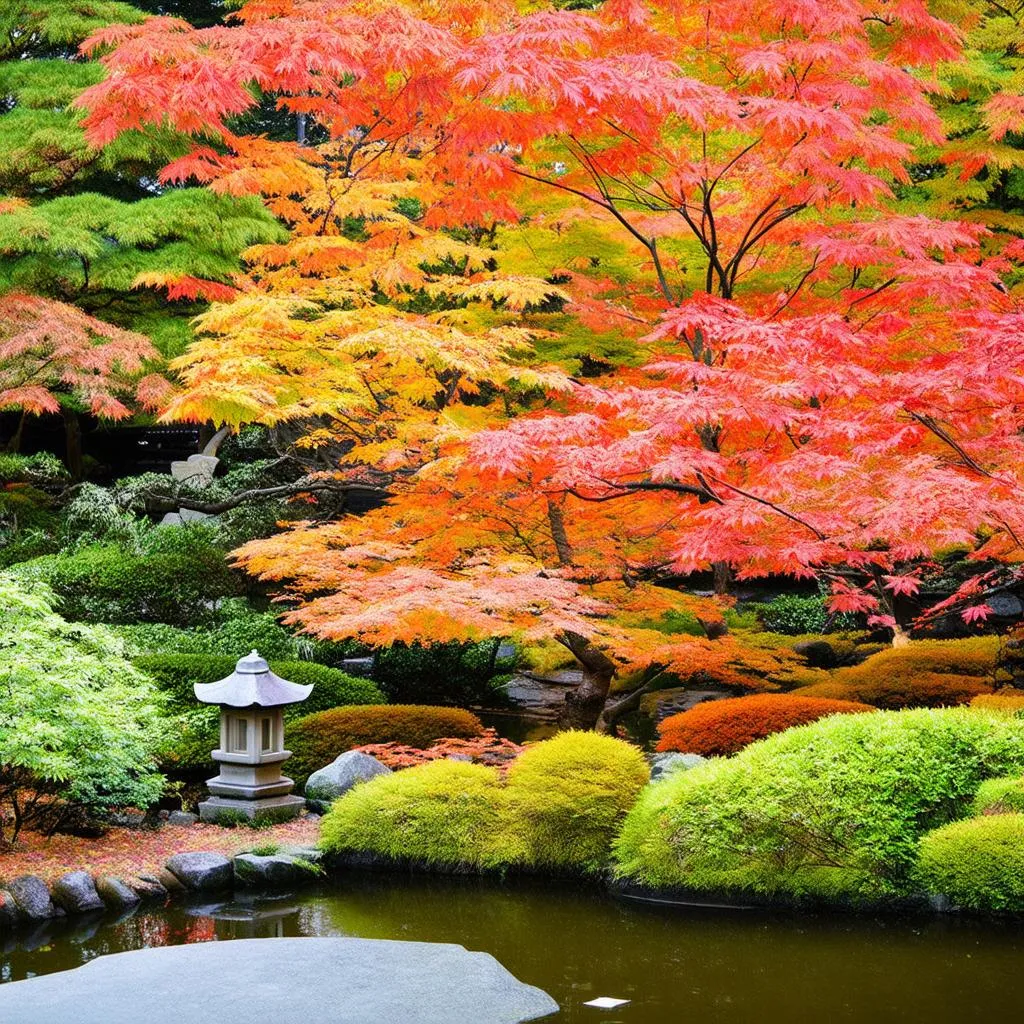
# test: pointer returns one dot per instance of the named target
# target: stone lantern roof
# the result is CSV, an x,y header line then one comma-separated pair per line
x,y
251,684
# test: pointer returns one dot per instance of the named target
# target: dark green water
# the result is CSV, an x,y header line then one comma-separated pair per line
x,y
676,965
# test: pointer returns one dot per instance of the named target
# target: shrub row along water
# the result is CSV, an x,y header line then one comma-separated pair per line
x,y
854,809
559,807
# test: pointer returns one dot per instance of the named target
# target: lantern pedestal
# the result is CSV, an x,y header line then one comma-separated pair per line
x,y
269,809
251,751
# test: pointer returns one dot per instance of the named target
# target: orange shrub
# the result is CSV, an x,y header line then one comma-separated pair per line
x,y
1007,700
725,726
318,739
894,690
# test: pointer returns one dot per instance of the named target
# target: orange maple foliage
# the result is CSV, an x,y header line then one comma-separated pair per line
x,y
831,385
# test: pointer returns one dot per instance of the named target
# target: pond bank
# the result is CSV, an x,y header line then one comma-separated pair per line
x,y
578,943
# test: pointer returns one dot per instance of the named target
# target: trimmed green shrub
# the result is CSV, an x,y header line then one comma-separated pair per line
x,y
459,673
1000,796
236,635
195,729
977,864
107,584
318,739
831,810
793,615
568,796
177,674
446,813
559,808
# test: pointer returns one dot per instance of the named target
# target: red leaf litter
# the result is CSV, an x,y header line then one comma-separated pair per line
x,y
490,749
126,852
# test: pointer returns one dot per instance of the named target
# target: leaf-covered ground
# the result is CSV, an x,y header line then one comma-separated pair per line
x,y
126,852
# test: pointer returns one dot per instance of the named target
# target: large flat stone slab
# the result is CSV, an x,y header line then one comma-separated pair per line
x,y
285,981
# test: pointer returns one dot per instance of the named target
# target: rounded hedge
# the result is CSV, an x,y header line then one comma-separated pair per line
x,y
722,727
176,674
567,798
977,864
1007,701
1000,796
107,584
559,807
831,810
446,813
896,690
196,729
316,740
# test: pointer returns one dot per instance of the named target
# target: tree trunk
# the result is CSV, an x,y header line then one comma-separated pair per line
x,y
584,705
900,637
723,577
14,445
73,444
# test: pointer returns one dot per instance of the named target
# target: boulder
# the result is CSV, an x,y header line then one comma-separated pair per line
x,y
274,871
199,469
341,775
76,893
9,913
817,653
170,882
201,872
148,888
1005,606
182,818
127,818
116,893
33,898
284,980
669,764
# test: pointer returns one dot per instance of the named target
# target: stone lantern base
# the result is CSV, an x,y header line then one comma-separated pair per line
x,y
263,809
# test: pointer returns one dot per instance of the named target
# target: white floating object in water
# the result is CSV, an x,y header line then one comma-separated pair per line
x,y
606,1003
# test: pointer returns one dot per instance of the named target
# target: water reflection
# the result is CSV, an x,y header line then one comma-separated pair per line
x,y
711,967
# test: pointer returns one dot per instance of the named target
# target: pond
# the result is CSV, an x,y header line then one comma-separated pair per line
x,y
674,964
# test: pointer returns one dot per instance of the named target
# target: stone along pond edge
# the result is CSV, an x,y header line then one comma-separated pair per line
x,y
27,901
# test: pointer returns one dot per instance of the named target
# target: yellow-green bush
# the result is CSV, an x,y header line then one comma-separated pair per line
x,y
567,798
446,814
1000,796
830,811
977,864
560,808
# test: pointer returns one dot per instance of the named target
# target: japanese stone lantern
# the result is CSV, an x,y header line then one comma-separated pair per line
x,y
251,748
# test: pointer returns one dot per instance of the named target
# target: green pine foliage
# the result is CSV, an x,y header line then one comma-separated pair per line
x,y
87,246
